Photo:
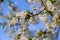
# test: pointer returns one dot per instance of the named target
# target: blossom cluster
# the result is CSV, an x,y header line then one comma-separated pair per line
x,y
49,8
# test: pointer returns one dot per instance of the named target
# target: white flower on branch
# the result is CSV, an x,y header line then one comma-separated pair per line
x,y
21,14
57,4
20,31
53,25
26,17
43,17
32,20
13,21
56,19
50,6
23,38
35,1
50,27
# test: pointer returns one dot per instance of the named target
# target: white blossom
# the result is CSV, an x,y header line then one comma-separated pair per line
x,y
35,1
51,36
14,20
20,31
34,38
23,38
32,20
29,1
50,6
50,26
56,17
21,14
43,17
53,25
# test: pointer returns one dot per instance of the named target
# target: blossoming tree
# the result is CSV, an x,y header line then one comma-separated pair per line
x,y
48,8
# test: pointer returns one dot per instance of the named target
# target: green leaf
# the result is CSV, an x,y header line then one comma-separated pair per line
x,y
10,18
41,33
52,1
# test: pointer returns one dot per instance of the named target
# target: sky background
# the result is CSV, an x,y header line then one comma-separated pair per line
x,y
22,5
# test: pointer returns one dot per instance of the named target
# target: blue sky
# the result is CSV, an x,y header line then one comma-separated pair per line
x,y
22,5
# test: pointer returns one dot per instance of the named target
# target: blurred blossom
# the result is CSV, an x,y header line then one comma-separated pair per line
x,y
23,38
56,19
51,36
53,25
21,14
20,17
35,1
14,20
32,20
20,31
29,1
50,27
57,4
50,6
43,17
0,7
